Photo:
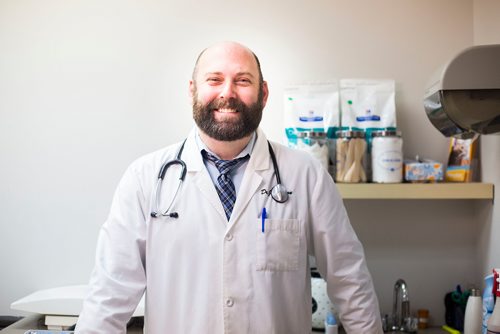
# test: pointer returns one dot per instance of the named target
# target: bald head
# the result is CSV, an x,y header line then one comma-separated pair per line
x,y
227,48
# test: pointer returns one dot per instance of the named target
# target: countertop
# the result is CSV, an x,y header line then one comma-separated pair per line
x,y
35,321
431,330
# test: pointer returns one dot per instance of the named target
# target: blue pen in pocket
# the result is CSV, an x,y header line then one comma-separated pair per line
x,y
263,216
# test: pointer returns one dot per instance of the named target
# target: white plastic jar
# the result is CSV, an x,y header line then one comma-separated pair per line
x,y
387,157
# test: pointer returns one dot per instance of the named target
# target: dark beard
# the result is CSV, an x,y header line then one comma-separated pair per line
x,y
227,130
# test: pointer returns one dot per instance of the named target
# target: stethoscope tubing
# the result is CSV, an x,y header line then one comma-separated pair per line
x,y
158,192
161,176
275,163
278,192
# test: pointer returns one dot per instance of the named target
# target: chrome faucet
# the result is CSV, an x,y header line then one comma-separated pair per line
x,y
399,318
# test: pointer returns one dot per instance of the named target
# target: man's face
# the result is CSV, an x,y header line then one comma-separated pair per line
x,y
227,97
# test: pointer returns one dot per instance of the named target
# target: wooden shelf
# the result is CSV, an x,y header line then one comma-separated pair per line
x,y
416,190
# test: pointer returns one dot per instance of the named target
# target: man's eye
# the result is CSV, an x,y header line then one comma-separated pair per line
x,y
244,80
213,79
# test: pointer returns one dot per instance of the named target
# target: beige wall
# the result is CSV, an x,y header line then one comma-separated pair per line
x,y
487,31
87,86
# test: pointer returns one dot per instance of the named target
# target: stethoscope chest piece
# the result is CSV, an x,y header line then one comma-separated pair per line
x,y
279,193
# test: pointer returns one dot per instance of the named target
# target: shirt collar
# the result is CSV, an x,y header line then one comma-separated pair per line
x,y
246,151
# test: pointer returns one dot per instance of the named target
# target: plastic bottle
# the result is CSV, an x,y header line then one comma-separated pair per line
x,y
423,318
387,157
494,321
473,313
488,301
331,326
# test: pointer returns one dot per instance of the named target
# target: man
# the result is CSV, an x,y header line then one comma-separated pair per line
x,y
213,263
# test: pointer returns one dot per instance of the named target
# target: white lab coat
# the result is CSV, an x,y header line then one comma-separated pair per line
x,y
203,274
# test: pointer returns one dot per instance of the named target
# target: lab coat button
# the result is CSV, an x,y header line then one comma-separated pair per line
x,y
229,237
229,302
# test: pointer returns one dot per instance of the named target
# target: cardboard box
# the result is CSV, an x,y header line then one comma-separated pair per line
x,y
423,171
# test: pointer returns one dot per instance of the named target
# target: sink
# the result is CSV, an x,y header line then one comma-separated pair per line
x,y
400,320
410,325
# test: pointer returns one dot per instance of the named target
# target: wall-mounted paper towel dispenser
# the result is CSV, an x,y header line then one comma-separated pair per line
x,y
463,97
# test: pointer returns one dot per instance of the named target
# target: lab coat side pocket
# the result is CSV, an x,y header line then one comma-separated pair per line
x,y
278,246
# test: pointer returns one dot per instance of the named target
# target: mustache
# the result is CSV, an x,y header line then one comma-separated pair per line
x,y
231,103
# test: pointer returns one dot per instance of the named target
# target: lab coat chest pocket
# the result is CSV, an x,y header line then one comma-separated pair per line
x,y
278,246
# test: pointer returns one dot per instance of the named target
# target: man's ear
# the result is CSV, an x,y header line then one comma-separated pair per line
x,y
265,93
191,88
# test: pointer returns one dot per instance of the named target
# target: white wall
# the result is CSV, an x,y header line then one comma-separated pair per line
x,y
87,86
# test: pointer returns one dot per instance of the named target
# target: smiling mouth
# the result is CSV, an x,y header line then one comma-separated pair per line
x,y
226,110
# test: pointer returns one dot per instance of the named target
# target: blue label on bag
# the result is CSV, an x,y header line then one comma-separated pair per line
x,y
311,119
368,118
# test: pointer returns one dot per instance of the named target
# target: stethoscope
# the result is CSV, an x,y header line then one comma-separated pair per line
x,y
278,193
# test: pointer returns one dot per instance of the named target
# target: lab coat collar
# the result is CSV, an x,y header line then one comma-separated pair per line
x,y
259,158
252,180
246,151
191,155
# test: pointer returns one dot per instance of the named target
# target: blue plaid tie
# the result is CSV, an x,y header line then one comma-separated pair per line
x,y
225,187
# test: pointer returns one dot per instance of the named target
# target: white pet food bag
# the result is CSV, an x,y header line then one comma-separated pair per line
x,y
368,105
313,107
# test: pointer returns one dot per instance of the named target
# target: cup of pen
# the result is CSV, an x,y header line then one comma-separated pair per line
x,y
351,156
